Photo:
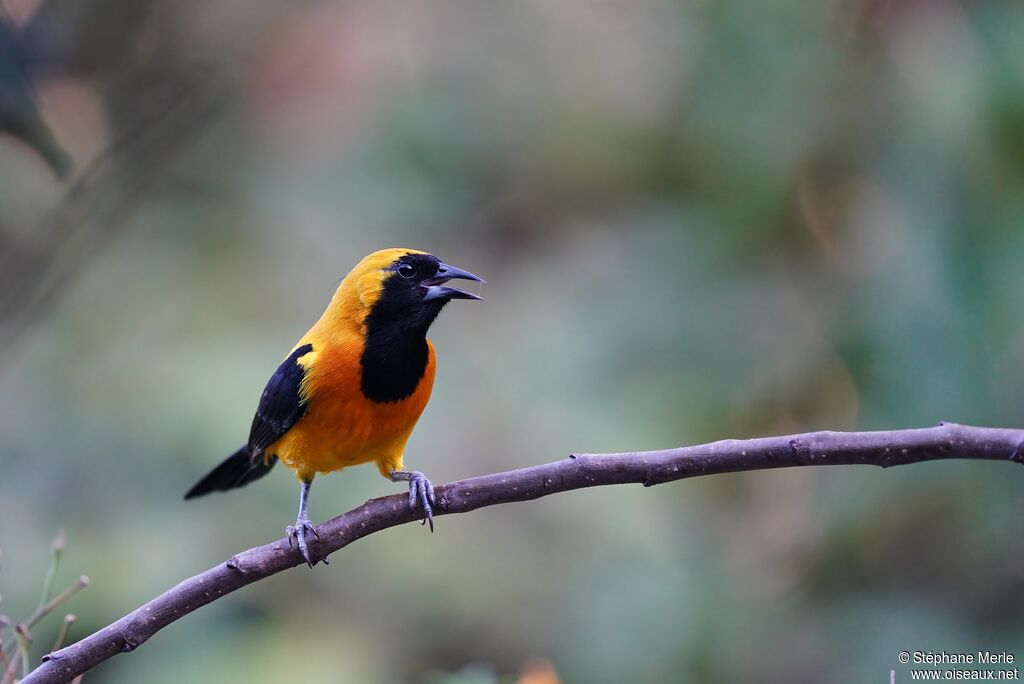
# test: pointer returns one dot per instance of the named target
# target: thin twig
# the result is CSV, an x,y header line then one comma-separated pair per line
x,y
81,583
10,674
44,610
65,627
899,447
24,637
56,551
8,668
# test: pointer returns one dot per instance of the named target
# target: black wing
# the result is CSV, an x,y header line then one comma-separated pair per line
x,y
281,405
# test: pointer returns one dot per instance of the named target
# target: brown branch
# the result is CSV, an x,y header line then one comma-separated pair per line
x,y
898,447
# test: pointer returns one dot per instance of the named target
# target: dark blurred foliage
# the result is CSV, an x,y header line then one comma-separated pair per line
x,y
19,114
153,98
697,220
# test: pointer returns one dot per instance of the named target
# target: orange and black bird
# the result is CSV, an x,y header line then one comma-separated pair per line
x,y
353,387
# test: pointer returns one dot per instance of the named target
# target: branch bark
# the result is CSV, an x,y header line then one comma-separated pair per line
x,y
898,447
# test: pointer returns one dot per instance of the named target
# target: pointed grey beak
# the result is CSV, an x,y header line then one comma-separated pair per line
x,y
436,288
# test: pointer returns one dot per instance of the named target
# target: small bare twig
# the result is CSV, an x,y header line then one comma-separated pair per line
x,y
24,637
10,673
56,551
8,667
62,635
81,583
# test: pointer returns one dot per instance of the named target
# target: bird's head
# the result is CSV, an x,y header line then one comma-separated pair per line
x,y
403,286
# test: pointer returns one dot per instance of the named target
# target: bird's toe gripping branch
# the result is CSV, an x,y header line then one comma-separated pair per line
x,y
421,493
297,536
297,532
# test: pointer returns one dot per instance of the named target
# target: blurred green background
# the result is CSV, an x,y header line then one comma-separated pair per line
x,y
698,220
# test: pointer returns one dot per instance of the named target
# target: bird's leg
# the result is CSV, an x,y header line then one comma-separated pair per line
x,y
297,532
421,491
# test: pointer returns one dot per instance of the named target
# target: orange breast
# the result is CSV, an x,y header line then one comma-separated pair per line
x,y
342,427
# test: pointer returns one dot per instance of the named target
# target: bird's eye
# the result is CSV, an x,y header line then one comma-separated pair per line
x,y
406,270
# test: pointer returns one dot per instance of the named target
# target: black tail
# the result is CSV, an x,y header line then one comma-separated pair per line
x,y
237,470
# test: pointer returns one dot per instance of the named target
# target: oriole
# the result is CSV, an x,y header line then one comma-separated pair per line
x,y
353,387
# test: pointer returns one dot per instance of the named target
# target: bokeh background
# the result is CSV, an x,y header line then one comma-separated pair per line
x,y
698,220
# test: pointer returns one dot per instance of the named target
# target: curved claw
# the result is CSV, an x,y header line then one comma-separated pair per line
x,y
297,536
421,493
422,489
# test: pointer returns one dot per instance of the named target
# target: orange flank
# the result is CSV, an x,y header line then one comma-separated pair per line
x,y
342,427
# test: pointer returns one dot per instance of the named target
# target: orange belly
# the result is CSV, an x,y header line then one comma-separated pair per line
x,y
341,427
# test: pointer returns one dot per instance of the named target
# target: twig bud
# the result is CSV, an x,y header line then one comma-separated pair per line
x,y
57,546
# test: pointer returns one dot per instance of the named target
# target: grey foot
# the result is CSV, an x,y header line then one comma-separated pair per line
x,y
421,493
297,535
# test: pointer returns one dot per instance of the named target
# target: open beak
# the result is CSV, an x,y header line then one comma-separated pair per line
x,y
436,288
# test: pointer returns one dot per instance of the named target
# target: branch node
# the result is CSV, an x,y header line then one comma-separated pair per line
x,y
1018,453
799,450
